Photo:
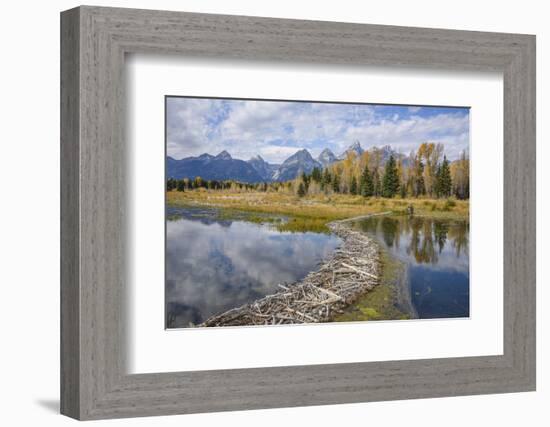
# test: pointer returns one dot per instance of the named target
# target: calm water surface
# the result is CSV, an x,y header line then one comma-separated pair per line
x,y
435,282
213,265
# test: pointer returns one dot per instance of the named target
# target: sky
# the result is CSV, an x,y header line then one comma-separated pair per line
x,y
277,129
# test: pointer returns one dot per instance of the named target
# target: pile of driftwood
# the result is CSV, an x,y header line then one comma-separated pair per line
x,y
352,270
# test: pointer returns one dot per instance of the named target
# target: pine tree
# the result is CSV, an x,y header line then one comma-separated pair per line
x,y
325,181
305,180
336,183
171,184
180,186
316,174
444,183
353,185
366,187
390,182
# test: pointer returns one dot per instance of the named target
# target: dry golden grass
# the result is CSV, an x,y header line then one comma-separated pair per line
x,y
321,208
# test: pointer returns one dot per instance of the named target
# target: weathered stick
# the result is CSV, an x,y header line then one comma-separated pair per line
x,y
352,270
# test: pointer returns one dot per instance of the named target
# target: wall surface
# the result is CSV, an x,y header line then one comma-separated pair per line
x,y
29,233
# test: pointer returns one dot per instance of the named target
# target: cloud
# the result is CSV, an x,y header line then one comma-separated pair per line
x,y
451,129
275,130
188,126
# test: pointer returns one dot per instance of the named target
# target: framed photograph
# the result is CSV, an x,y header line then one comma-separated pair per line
x,y
262,213
280,235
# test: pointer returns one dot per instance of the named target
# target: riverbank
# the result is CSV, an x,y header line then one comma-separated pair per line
x,y
313,213
382,303
352,271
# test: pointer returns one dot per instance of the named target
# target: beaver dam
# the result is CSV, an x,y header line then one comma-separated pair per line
x,y
350,272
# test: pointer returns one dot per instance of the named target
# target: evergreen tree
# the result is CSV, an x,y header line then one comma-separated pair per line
x,y
180,185
390,182
171,184
316,174
305,180
443,185
366,187
353,186
336,183
301,190
325,181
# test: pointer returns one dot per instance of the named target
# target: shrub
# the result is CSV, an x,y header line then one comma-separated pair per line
x,y
449,205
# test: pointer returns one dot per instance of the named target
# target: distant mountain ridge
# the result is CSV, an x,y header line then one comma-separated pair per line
x,y
299,162
224,167
206,166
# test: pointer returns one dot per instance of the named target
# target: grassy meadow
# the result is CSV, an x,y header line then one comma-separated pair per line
x,y
312,212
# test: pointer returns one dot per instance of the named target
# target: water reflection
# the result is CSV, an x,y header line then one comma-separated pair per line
x,y
435,252
213,265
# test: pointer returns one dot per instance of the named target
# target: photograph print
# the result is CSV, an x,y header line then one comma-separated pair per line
x,y
298,212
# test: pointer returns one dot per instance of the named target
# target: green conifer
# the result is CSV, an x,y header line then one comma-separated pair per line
x,y
366,187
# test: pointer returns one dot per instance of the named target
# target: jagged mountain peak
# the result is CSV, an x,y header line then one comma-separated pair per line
x,y
264,169
224,155
302,154
300,161
326,157
257,158
355,148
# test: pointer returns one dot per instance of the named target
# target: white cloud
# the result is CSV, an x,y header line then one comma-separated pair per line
x,y
407,134
275,130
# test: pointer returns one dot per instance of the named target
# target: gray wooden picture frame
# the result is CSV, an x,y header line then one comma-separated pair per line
x,y
94,41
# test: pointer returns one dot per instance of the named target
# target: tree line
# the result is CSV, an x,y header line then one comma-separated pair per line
x,y
425,172
187,184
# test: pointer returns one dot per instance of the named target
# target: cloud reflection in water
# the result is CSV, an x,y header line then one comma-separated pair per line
x,y
213,266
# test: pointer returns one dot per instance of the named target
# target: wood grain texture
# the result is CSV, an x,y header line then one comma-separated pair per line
x,y
94,272
70,220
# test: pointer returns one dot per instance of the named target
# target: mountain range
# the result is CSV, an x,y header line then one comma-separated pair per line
x,y
225,167
209,167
